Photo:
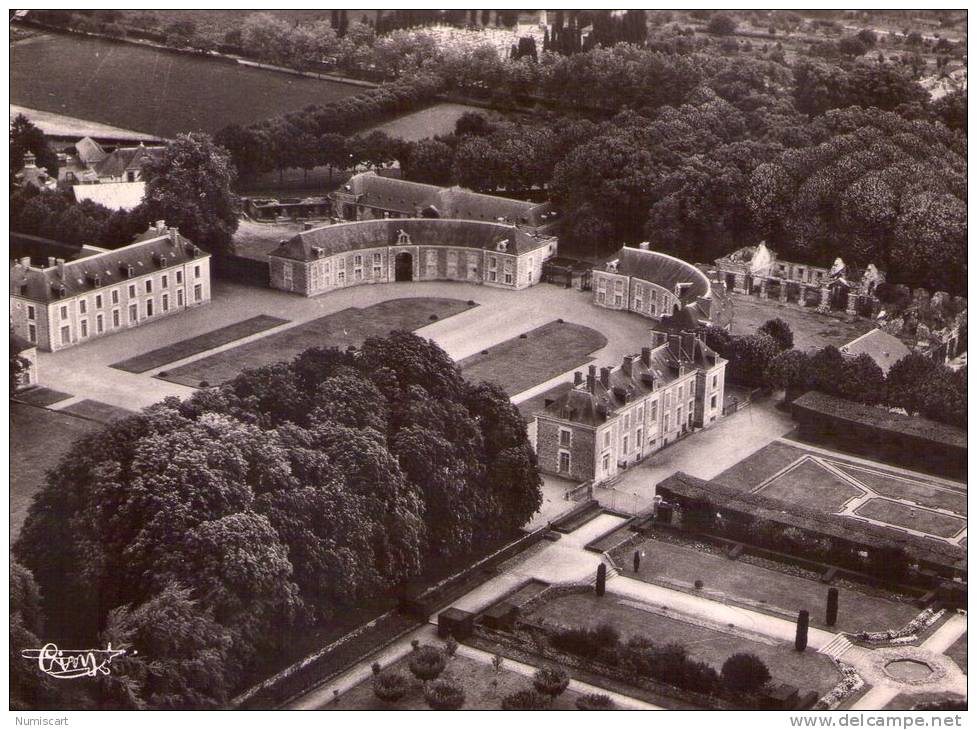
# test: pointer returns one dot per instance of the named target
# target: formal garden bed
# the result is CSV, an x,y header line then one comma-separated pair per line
x,y
958,652
484,686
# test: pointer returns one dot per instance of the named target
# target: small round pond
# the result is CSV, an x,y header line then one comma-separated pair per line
x,y
908,670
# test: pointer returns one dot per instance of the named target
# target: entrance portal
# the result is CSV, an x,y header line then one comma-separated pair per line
x,y
404,267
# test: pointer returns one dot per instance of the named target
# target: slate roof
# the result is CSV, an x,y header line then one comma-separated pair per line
x,y
126,158
594,408
454,202
115,195
334,239
662,269
885,349
89,151
145,256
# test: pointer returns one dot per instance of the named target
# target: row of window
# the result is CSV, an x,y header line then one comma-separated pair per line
x,y
116,317
147,286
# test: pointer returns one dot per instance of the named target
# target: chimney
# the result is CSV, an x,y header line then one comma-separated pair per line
x,y
688,343
160,226
29,159
26,261
174,235
675,345
643,246
307,226
51,261
577,378
627,365
591,377
646,356
60,263
605,378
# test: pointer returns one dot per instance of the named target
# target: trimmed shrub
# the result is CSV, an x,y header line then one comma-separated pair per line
x,y
450,647
551,682
390,687
433,317
444,695
589,643
698,585
601,583
595,701
744,673
800,641
524,699
204,384
426,663
831,616
375,667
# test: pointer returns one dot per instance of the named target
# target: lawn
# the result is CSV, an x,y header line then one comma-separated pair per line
x,y
543,353
760,466
437,120
901,515
201,343
908,700
811,485
41,396
484,688
958,652
811,329
921,491
95,410
807,670
38,440
151,90
341,329
782,594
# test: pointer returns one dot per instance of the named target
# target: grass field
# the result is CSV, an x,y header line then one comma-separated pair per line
x,y
811,485
434,121
348,327
96,411
520,363
760,465
207,341
908,700
811,330
781,594
484,689
38,440
901,515
958,652
808,670
41,396
153,91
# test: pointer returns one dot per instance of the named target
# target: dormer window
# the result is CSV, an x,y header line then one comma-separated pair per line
x,y
502,246
612,265
402,238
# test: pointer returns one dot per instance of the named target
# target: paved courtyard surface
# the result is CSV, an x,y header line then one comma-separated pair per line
x,y
84,370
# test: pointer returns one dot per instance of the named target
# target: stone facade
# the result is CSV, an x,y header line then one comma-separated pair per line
x,y
67,304
614,419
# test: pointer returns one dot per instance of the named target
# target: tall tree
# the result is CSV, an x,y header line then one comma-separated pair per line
x,y
190,186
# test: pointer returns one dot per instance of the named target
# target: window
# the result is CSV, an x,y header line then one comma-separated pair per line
x,y
115,318
98,301
179,297
639,297
133,313
605,463
640,418
493,275
340,278
164,281
668,400
64,313
287,280
31,312
132,291
667,421
357,260
84,328
564,461
377,272
712,402
624,444
654,411
179,277
637,438
377,259
196,272
149,286
99,324
149,307
65,335
508,277
166,302
115,296
32,332
198,292
679,396
607,438
564,437
678,416
82,306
